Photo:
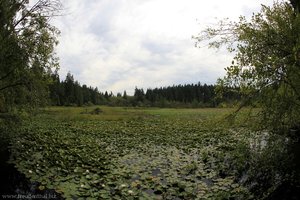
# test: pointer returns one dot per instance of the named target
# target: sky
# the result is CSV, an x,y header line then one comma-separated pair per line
x,y
118,45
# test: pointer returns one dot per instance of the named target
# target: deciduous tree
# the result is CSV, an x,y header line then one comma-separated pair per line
x,y
27,56
266,66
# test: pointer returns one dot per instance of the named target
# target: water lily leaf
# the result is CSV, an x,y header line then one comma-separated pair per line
x,y
41,187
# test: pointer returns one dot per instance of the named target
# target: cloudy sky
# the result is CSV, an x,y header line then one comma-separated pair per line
x,y
116,45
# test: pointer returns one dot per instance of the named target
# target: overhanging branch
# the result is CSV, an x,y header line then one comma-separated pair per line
x,y
11,85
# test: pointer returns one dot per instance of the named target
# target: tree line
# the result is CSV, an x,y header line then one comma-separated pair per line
x,y
71,93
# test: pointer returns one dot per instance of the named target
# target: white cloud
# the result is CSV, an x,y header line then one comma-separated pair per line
x,y
117,44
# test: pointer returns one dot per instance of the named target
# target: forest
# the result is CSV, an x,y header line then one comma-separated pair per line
x,y
71,93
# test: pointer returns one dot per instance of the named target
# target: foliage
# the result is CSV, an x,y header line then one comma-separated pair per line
x,y
70,92
265,71
188,94
266,64
27,56
133,153
96,111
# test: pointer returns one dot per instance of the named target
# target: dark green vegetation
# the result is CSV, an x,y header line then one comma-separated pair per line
x,y
27,56
70,93
129,153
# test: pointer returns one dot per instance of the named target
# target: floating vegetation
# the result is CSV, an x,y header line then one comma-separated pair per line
x,y
151,157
